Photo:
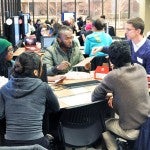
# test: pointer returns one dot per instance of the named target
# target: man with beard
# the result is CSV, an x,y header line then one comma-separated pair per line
x,y
63,54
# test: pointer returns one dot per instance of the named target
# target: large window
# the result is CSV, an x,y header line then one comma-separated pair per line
x,y
116,11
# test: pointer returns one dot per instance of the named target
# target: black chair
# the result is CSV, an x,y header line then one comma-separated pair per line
x,y
83,125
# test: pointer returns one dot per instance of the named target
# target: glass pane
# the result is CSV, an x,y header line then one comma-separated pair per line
x,y
40,10
96,5
122,16
54,9
68,6
82,8
134,8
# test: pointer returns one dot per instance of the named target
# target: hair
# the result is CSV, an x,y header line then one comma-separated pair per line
x,y
63,29
137,23
25,64
66,22
119,53
4,64
98,24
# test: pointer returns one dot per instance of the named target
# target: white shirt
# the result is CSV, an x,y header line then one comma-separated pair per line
x,y
137,46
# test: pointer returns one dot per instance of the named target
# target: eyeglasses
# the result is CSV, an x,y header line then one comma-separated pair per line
x,y
10,50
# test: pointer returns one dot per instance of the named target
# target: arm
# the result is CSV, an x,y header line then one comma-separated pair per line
x,y
87,46
147,67
51,100
100,49
48,60
2,107
105,87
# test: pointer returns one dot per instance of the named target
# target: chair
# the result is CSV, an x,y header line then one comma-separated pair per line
x,y
82,125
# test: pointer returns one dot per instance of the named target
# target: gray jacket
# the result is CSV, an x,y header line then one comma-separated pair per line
x,y
131,99
22,103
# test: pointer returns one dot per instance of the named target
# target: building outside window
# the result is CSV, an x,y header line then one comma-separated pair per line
x,y
116,11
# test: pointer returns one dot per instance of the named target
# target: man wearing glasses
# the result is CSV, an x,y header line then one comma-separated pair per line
x,y
140,45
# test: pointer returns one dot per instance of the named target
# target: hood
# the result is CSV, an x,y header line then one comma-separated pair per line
x,y
20,87
96,37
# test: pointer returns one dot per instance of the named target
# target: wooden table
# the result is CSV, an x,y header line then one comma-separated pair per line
x,y
21,50
71,96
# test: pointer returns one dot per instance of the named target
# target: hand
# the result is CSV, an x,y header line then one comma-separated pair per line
x,y
63,65
110,102
97,49
109,97
87,66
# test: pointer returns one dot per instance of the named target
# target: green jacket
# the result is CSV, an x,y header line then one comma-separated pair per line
x,y
54,55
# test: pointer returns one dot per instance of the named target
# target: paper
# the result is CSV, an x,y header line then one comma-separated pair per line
x,y
84,62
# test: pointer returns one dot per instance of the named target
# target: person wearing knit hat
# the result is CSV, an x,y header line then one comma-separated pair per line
x,y
6,56
4,44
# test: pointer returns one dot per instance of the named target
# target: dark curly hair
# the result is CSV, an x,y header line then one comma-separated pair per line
x,y
25,64
119,53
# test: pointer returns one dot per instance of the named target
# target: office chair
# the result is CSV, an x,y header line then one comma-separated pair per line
x,y
82,125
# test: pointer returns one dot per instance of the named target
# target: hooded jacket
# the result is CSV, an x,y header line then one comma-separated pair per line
x,y
96,39
22,103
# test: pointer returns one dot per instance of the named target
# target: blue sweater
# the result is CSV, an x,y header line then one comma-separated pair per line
x,y
22,103
142,56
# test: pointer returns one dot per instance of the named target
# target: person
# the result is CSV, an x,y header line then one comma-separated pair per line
x,y
6,57
31,28
130,97
97,38
140,45
83,31
63,54
24,100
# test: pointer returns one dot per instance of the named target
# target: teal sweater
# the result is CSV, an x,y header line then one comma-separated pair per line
x,y
96,39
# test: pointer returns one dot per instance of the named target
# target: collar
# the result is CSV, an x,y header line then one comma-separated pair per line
x,y
138,45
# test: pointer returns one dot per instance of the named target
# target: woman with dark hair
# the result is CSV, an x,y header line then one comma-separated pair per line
x,y
97,38
6,55
23,101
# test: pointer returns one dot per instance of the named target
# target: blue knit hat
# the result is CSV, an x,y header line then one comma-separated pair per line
x,y
4,44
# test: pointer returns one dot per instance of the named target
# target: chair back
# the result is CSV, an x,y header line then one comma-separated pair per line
x,y
82,125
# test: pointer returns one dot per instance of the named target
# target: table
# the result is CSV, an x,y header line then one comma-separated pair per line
x,y
21,50
71,96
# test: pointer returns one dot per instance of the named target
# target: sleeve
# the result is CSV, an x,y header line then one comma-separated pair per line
x,y
2,106
87,46
52,103
147,67
106,86
105,49
48,60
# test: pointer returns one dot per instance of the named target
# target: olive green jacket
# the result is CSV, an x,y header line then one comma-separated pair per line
x,y
54,55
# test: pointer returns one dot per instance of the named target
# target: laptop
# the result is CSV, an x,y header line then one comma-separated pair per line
x,y
46,41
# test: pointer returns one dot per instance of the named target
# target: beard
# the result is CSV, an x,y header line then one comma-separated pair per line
x,y
65,46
